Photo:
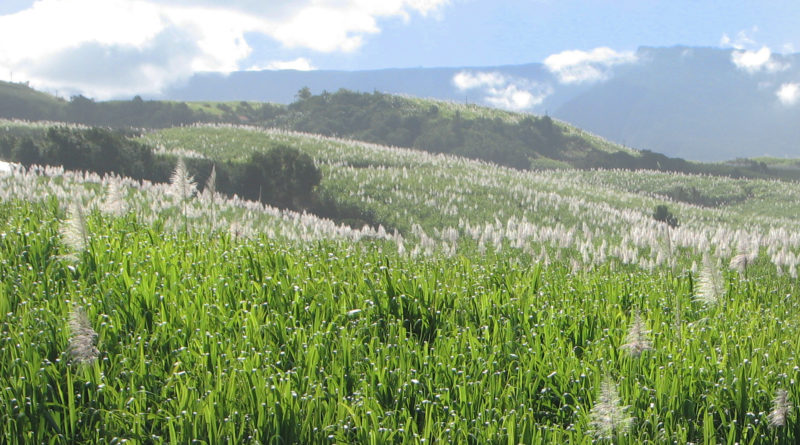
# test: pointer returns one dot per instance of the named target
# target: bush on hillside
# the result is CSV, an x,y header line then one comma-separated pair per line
x,y
282,176
663,214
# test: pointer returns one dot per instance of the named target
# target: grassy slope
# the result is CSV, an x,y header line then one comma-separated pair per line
x,y
360,171
21,101
472,111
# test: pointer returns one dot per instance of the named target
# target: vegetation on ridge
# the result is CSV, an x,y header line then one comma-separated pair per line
x,y
516,140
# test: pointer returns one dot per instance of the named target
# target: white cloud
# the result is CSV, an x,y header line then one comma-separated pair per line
x,y
205,37
503,91
514,97
577,66
298,64
742,40
328,26
755,61
789,93
466,80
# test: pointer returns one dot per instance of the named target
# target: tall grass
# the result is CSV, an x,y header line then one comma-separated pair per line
x,y
212,339
513,308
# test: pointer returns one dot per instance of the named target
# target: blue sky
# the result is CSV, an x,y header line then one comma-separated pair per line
x,y
117,48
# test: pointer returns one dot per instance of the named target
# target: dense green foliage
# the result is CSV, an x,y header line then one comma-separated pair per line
x,y
206,338
92,149
19,101
134,113
391,120
284,174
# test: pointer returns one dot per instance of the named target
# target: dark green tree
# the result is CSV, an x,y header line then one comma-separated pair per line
x,y
303,94
26,152
283,177
663,214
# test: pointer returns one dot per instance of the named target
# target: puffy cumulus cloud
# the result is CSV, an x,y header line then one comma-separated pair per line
x,y
341,25
789,93
503,91
755,61
109,48
747,56
577,66
298,64
143,45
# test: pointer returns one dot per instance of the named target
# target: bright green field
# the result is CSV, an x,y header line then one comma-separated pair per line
x,y
492,316
216,340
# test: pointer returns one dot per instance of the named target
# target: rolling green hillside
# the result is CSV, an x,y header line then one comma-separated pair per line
x,y
516,140
19,101
377,176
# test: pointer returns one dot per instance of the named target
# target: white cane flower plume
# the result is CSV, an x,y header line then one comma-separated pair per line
x,y
710,286
209,193
638,339
182,184
781,407
183,187
608,417
211,184
74,232
115,203
741,261
82,337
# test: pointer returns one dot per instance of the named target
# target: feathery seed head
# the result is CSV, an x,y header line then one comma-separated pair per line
x,y
741,261
710,286
73,230
182,184
211,182
638,339
115,203
781,407
82,337
608,417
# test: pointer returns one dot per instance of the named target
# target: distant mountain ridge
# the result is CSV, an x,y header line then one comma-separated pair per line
x,y
281,86
689,102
